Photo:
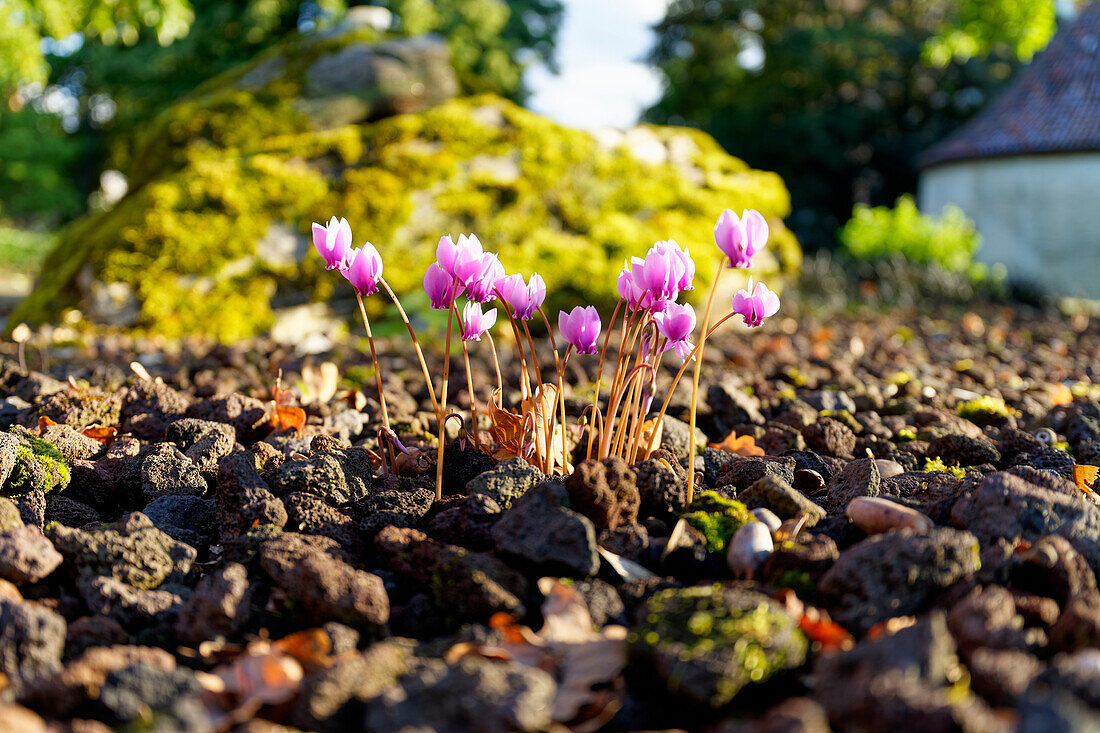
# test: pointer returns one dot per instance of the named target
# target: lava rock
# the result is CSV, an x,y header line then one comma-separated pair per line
x,y
187,519
741,473
830,437
132,608
219,605
148,407
463,463
772,492
662,486
131,550
245,414
473,695
309,514
962,450
70,512
144,692
540,531
858,478
896,574
464,586
506,482
316,574
26,556
203,441
333,699
32,639
605,492
675,438
167,472
9,515
707,643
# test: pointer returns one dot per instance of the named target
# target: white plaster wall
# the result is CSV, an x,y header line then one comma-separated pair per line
x,y
1039,215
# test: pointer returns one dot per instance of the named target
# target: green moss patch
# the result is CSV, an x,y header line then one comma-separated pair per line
x,y
717,518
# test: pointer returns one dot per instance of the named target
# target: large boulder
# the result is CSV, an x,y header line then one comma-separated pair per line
x,y
224,185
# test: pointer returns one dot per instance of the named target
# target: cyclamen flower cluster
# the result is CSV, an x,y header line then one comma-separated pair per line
x,y
649,287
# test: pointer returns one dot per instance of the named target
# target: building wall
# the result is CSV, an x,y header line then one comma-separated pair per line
x,y
1037,214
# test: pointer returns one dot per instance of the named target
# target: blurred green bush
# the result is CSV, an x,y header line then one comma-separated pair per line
x,y
949,240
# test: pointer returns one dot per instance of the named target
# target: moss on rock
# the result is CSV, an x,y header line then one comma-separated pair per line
x,y
226,183
38,465
717,518
708,642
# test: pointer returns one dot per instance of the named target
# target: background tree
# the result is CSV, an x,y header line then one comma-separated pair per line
x,y
83,75
838,96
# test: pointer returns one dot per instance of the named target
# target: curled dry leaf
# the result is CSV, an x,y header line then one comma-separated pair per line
x,y
100,433
1061,395
284,417
741,445
512,435
580,658
816,624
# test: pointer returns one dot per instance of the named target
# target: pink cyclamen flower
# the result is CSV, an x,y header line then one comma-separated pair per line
x,y
676,322
524,300
580,327
333,242
659,273
741,238
364,269
629,290
466,262
755,307
475,323
482,287
688,272
440,287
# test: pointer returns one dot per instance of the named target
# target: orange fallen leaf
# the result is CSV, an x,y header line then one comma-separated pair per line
x,y
826,632
285,418
1084,476
890,626
1062,395
44,422
311,646
100,433
742,446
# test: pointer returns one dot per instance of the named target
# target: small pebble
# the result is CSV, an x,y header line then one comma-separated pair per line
x,y
749,548
767,516
889,468
875,515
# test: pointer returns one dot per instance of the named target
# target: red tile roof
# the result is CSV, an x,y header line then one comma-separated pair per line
x,y
1052,106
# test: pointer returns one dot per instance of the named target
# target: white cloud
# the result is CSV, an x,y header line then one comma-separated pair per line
x,y
603,80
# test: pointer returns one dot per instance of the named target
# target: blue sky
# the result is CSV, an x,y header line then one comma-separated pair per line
x,y
603,80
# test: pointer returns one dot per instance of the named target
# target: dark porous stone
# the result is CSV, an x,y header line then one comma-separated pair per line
x,y
148,406
603,602
506,482
830,437
986,617
805,460
540,531
401,507
605,492
333,699
772,492
895,574
26,556
805,557
315,573
92,631
9,515
245,414
1013,443
70,512
707,643
219,605
1048,459
742,473
1064,697
320,474
1001,676
1006,506
731,405
462,463
662,486
630,542
715,462
962,450
675,440
31,506
72,444
1052,567
167,472
779,438
474,694
309,514
859,478
131,550
1078,627
904,681
188,519
32,639
144,692
464,586
469,524
242,498
133,608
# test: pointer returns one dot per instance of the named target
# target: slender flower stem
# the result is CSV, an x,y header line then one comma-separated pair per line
x,y
612,433
559,367
377,372
451,313
599,371
546,460
695,381
639,413
470,389
676,381
561,402
525,382
496,364
616,381
416,344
